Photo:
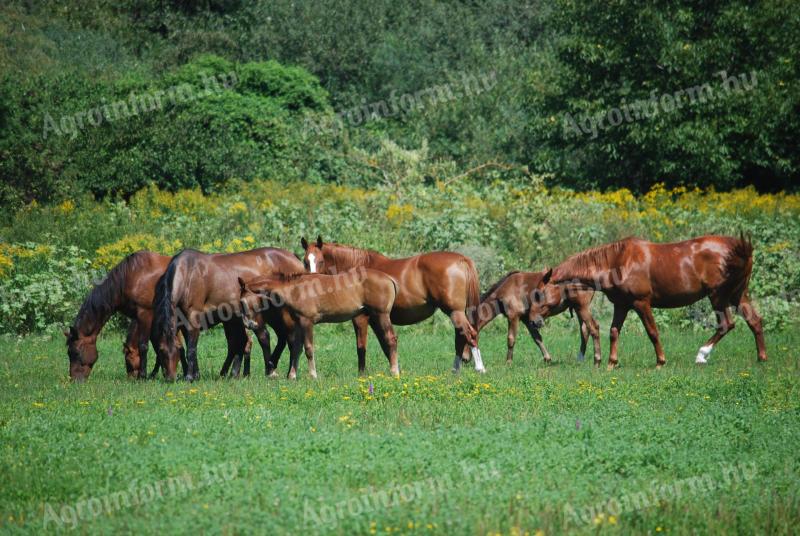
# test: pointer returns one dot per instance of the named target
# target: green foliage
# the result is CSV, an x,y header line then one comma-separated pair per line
x,y
737,132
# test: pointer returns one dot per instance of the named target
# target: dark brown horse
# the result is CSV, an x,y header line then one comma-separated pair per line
x,y
438,280
518,296
199,290
308,299
639,275
128,289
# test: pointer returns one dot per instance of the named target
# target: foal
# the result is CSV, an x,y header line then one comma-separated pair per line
x,y
308,299
639,275
517,296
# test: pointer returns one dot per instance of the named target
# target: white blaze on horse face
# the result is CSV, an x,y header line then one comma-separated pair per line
x,y
312,263
703,354
476,355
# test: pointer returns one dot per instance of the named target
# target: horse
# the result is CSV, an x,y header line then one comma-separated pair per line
x,y
128,289
427,282
517,297
307,299
639,275
199,290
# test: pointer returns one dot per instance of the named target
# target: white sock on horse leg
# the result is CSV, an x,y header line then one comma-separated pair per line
x,y
704,352
581,357
476,356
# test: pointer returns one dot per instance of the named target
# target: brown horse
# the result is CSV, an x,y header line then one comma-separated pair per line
x,y
308,299
438,280
639,275
128,289
517,296
199,290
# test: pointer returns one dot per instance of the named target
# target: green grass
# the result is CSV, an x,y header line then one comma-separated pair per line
x,y
537,441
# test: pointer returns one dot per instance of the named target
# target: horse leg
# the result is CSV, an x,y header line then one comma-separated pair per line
x,y
511,339
192,335
131,350
226,365
382,326
248,347
295,345
308,346
620,312
262,336
465,335
537,338
272,369
589,325
645,313
725,324
753,320
360,324
238,342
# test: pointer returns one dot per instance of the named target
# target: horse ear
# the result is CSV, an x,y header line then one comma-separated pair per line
x,y
304,242
547,275
319,241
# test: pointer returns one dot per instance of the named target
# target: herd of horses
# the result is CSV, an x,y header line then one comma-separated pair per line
x,y
171,300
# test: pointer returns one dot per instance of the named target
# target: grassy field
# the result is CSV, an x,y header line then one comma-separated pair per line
x,y
522,449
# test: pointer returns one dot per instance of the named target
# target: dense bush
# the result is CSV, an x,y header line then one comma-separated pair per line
x,y
196,126
515,223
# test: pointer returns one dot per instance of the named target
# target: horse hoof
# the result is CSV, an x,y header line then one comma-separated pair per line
x,y
548,361
481,371
611,366
659,366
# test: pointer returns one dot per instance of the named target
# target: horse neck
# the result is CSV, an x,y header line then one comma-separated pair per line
x,y
345,258
104,300
593,268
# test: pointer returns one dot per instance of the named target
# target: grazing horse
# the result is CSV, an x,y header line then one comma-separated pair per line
x,y
430,281
199,290
308,299
639,275
128,289
517,296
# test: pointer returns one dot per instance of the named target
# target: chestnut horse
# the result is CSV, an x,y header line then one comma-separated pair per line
x,y
639,275
308,299
198,291
517,296
438,280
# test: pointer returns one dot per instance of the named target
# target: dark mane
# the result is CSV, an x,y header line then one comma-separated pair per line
x,y
350,256
103,300
592,259
497,285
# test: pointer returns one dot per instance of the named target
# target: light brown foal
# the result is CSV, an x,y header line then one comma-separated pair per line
x,y
437,280
308,299
639,275
517,296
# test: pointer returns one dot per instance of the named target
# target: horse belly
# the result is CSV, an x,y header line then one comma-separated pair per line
x,y
404,316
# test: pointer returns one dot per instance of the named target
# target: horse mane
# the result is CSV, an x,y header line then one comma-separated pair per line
x,y
497,285
346,257
103,300
587,262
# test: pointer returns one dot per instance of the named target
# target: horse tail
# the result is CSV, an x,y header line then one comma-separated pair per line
x,y
473,294
739,267
164,317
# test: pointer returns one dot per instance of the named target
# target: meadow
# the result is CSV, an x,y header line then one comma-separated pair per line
x,y
523,449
